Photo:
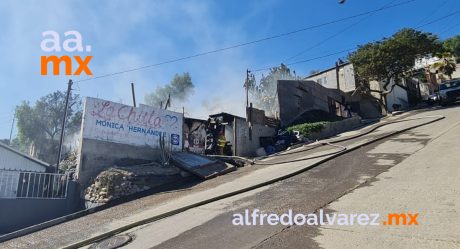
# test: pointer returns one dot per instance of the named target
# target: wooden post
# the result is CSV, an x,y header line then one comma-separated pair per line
x,y
69,88
235,140
134,96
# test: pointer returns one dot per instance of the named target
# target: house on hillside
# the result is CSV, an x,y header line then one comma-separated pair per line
x,y
403,95
308,101
430,75
12,159
340,77
423,81
12,163
228,134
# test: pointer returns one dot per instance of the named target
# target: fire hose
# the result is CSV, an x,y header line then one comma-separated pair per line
x,y
332,155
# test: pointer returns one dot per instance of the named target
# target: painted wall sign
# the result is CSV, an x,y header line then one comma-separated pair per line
x,y
114,122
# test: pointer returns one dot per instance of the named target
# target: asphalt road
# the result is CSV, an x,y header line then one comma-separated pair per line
x,y
210,226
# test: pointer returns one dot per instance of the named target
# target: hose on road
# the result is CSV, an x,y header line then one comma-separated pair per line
x,y
307,147
126,227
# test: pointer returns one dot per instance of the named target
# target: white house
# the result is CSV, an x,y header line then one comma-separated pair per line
x,y
12,162
11,159
341,77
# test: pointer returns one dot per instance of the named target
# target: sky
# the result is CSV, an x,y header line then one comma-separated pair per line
x,y
126,34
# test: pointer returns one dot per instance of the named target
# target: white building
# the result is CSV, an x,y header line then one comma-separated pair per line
x,y
341,77
11,159
397,99
12,163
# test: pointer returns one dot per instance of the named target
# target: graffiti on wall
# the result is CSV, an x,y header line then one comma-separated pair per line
x,y
114,122
194,135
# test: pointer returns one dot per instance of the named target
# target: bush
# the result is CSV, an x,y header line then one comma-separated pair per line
x,y
307,129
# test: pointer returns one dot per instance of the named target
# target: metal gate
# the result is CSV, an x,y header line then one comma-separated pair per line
x,y
19,184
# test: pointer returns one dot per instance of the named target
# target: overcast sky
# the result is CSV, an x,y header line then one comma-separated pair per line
x,y
128,34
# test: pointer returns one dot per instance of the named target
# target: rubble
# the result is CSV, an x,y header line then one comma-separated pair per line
x,y
70,162
122,181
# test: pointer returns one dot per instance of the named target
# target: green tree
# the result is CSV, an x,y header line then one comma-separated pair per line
x,y
452,46
39,125
445,66
179,89
391,59
264,94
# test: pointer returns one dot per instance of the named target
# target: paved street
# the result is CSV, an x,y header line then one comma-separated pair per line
x,y
359,182
412,172
230,124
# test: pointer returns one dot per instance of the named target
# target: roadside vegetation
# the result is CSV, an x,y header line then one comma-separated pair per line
x,y
307,129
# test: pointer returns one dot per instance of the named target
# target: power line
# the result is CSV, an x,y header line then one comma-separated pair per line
x,y
439,19
449,28
250,42
323,41
320,57
433,12
338,33
307,60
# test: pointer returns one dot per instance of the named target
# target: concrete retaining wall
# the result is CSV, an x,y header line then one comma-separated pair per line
x,y
334,128
97,156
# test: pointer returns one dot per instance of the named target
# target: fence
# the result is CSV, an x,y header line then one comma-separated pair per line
x,y
34,185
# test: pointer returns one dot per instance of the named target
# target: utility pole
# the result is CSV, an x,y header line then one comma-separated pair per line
x,y
69,88
12,126
247,87
168,102
134,96
337,75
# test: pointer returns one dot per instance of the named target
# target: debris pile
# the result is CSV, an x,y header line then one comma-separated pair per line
x,y
112,184
70,162
122,181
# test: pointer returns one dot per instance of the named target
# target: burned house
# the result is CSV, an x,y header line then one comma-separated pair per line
x,y
194,135
229,134
307,100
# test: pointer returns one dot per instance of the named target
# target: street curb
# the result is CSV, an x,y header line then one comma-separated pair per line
x,y
76,215
256,186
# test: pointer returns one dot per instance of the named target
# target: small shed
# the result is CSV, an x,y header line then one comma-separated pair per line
x,y
243,136
12,159
12,164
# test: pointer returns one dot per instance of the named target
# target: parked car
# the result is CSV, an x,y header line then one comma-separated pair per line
x,y
433,99
449,92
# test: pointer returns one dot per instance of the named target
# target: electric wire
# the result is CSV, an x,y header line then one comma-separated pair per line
x,y
336,34
438,19
449,28
433,12
306,60
248,43
351,49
